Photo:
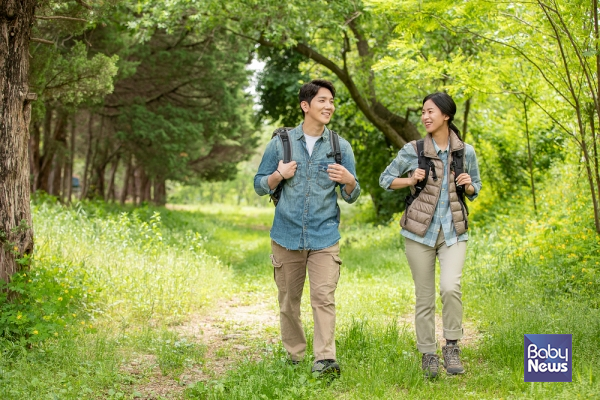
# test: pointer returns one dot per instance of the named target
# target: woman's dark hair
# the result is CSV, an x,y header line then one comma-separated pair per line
x,y
309,90
447,106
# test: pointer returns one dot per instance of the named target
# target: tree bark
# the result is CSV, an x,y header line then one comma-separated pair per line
x,y
88,157
160,192
54,146
530,156
34,154
16,232
127,179
69,176
466,118
110,192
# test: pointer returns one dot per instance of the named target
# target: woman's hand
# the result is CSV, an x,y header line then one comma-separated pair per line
x,y
465,179
417,176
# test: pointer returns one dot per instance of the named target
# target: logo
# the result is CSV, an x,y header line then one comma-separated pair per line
x,y
548,358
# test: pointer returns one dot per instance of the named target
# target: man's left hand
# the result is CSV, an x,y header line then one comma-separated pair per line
x,y
338,173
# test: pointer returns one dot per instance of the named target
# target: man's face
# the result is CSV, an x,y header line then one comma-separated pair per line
x,y
321,107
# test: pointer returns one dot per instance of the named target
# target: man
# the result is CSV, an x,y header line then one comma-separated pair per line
x,y
305,231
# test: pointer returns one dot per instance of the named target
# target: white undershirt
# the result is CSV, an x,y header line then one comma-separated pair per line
x,y
310,142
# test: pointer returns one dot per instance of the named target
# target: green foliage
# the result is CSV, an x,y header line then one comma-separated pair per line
x,y
151,271
373,154
50,300
73,78
279,84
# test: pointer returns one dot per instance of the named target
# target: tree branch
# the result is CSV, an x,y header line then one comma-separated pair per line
x,y
84,4
60,17
38,40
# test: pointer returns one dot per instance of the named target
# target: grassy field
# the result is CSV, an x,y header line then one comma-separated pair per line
x,y
179,303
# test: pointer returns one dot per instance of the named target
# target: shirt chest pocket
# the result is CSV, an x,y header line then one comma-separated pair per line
x,y
294,180
323,177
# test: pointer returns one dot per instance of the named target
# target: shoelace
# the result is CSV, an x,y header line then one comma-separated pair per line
x,y
453,356
433,360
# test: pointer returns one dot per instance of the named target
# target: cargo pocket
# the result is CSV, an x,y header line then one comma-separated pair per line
x,y
337,262
278,275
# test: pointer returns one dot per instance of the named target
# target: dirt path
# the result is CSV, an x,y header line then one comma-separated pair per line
x,y
231,331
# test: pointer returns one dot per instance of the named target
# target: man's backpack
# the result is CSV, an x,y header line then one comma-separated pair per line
x,y
457,166
284,136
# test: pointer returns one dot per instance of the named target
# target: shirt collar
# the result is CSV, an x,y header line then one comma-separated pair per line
x,y
437,148
298,133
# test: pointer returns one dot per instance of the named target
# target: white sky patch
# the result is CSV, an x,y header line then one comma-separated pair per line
x,y
256,67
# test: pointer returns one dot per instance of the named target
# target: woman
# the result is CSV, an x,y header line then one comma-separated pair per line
x,y
435,224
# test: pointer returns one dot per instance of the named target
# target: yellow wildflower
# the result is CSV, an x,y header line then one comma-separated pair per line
x,y
541,257
66,291
82,322
16,248
60,299
19,316
35,332
55,333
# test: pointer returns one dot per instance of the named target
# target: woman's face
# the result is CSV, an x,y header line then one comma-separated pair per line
x,y
432,118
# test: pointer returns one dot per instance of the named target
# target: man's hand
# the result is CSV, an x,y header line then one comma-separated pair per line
x,y
418,176
338,173
287,170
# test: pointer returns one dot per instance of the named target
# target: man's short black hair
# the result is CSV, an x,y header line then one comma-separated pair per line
x,y
309,90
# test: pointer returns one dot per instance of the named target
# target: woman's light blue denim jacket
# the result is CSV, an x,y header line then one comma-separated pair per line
x,y
307,215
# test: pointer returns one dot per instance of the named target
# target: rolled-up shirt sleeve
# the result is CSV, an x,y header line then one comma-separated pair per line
x,y
405,161
472,168
349,163
268,165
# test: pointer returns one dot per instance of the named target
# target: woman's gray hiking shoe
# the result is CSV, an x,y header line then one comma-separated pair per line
x,y
430,364
452,362
326,368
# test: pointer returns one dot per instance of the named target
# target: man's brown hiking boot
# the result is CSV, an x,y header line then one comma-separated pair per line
x,y
430,364
451,353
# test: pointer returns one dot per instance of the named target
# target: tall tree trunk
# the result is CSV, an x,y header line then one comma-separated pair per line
x,y
56,176
69,176
146,188
160,191
54,146
127,179
110,193
34,154
466,118
530,158
16,232
88,157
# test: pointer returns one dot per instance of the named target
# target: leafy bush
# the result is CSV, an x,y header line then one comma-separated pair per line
x,y
48,301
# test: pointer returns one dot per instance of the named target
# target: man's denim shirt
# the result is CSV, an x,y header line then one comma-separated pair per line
x,y
307,215
407,160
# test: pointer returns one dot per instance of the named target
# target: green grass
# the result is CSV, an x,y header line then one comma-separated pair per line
x,y
148,273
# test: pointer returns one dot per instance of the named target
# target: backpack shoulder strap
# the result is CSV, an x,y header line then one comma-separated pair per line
x,y
425,164
284,136
336,152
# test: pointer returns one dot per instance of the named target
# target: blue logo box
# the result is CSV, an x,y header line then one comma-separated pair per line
x,y
548,358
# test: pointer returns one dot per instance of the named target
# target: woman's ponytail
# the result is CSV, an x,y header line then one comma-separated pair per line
x,y
454,129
